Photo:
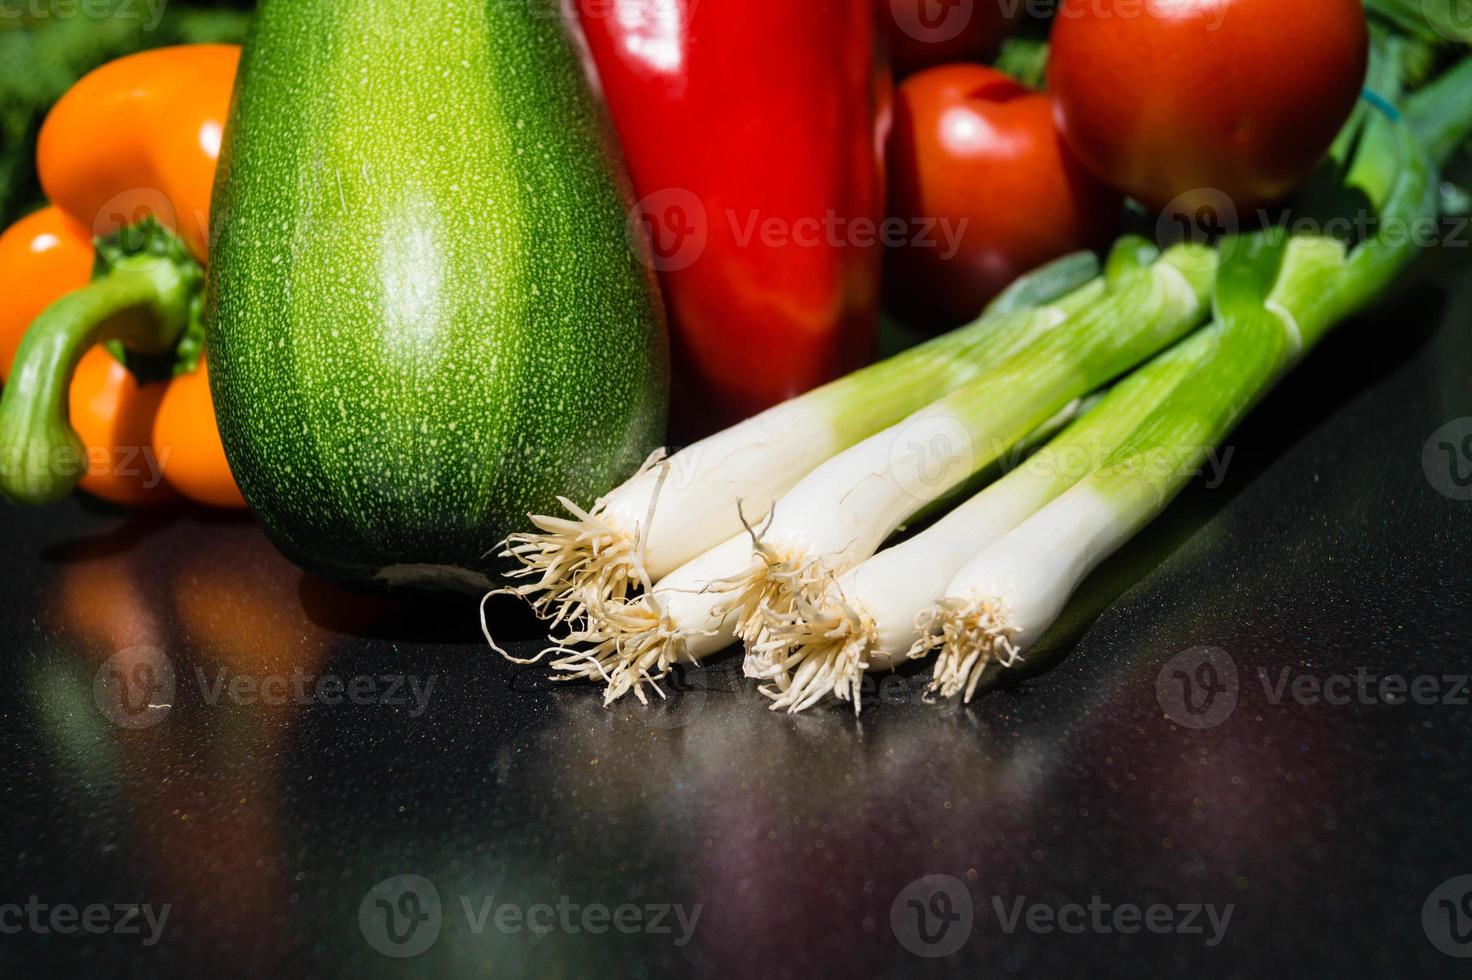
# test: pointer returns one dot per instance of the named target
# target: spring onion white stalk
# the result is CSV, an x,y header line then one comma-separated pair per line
x,y
1274,302
679,506
843,511
868,619
630,644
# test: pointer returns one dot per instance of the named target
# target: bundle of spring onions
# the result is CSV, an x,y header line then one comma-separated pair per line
x,y
862,494
868,618
770,532
677,507
841,513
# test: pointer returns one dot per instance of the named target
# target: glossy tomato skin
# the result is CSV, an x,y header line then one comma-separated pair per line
x,y
1205,97
925,33
977,165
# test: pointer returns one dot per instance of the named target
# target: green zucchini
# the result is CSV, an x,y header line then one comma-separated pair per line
x,y
426,316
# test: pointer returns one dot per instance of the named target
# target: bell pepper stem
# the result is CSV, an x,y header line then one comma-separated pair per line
x,y
145,304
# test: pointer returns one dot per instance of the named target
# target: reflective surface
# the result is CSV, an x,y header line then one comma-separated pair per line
x,y
190,722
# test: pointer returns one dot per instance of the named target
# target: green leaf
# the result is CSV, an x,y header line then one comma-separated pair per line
x,y
1025,59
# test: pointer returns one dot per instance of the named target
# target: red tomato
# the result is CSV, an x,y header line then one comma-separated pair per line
x,y
1205,97
923,33
987,190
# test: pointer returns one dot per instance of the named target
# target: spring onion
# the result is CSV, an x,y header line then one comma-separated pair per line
x,y
1275,300
629,643
868,618
843,511
632,643
679,506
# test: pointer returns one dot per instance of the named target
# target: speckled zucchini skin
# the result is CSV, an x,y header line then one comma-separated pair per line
x,y
425,317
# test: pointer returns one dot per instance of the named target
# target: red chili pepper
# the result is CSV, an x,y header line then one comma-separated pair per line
x,y
749,129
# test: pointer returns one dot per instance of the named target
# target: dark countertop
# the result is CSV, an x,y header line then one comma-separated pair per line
x,y
263,822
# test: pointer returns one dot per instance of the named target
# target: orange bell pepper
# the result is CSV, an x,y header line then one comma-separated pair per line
x,y
100,338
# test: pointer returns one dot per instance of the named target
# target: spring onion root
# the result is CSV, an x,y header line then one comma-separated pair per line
x,y
630,645
971,633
